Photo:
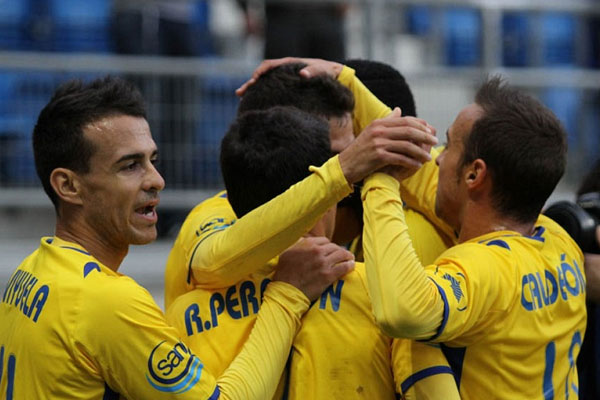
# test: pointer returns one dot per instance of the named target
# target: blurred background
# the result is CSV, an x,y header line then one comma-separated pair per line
x,y
188,56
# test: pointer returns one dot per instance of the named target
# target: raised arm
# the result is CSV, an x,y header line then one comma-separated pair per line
x,y
406,303
223,255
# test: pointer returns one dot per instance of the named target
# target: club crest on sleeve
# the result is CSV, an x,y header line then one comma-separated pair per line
x,y
456,288
173,368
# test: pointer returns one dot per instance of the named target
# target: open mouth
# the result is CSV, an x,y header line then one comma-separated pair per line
x,y
147,211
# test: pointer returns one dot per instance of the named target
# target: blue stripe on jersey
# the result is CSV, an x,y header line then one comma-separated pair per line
x,y
89,267
455,357
498,242
215,394
109,394
427,372
223,196
539,231
76,249
49,240
446,311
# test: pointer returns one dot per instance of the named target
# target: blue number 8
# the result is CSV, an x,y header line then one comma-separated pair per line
x,y
10,372
548,388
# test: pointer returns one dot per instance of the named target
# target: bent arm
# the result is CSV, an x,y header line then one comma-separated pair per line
x,y
255,372
221,257
406,303
367,107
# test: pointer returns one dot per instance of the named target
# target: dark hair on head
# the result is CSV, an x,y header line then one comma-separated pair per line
x,y
283,86
264,152
591,182
386,83
58,140
523,145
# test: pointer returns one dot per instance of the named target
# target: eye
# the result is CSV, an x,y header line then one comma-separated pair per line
x,y
131,166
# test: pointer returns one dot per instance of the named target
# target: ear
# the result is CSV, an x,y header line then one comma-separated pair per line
x,y
66,184
476,174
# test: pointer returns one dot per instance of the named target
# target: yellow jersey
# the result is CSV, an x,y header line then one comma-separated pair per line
x,y
340,353
73,328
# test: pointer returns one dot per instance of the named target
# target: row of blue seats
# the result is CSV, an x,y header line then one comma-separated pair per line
x,y
64,25
543,39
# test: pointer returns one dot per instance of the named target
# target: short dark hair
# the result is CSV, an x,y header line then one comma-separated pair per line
x,y
264,152
386,83
58,140
523,145
283,86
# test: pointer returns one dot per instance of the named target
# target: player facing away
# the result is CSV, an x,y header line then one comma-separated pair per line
x,y
324,97
72,325
508,302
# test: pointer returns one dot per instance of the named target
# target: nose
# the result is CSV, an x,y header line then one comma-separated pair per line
x,y
154,180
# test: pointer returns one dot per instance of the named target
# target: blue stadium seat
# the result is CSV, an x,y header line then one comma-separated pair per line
x,y
22,96
218,108
13,24
515,39
558,32
80,25
418,20
462,36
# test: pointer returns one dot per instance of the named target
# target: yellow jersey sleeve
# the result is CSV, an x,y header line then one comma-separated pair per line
x,y
139,355
387,245
255,372
421,371
222,253
367,107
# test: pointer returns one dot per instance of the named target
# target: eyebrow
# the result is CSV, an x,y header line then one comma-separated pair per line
x,y
135,156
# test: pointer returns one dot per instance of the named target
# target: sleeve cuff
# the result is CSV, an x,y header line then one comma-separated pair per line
x,y
332,168
346,76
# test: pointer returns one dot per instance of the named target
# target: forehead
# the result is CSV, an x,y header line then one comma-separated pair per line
x,y
463,124
115,136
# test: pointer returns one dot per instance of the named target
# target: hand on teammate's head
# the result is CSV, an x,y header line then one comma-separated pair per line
x,y
314,67
393,140
313,264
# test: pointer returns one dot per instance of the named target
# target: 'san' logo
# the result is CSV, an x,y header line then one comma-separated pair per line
x,y
173,369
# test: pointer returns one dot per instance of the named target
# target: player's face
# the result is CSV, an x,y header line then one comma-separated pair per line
x,y
340,132
326,225
120,191
451,189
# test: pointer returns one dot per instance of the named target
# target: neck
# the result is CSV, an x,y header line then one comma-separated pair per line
x,y
480,220
94,244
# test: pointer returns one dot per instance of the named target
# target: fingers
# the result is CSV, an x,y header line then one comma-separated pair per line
x,y
261,69
340,269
